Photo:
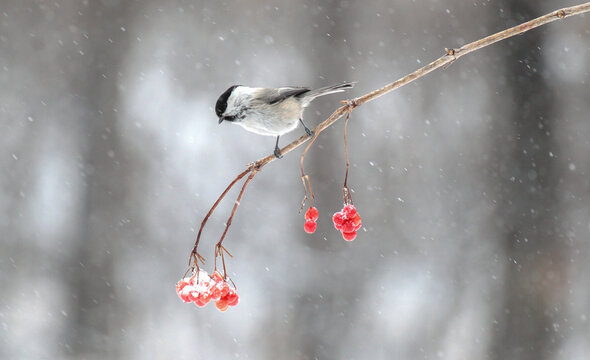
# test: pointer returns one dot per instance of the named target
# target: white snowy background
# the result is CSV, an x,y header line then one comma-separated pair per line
x,y
473,182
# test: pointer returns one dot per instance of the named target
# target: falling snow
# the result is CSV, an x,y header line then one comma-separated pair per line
x,y
472,182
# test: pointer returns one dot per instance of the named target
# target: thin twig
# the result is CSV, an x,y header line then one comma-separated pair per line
x,y
218,247
451,55
193,259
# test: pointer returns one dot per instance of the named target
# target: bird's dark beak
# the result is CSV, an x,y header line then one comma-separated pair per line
x,y
221,119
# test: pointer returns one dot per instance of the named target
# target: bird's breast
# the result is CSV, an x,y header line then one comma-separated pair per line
x,y
276,119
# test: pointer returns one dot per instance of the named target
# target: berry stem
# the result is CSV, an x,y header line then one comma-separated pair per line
x,y
218,246
308,190
345,190
305,178
219,252
346,148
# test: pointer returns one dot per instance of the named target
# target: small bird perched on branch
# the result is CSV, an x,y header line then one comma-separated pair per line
x,y
270,111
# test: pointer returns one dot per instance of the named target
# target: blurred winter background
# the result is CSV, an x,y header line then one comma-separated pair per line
x,y
473,182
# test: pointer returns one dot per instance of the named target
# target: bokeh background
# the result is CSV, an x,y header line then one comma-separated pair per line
x,y
473,182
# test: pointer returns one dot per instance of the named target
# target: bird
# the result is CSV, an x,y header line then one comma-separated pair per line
x,y
270,111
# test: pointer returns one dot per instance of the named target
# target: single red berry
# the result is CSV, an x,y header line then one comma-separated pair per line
x,y
205,296
224,289
349,211
180,285
217,276
348,226
310,226
221,305
338,220
233,298
215,293
196,293
356,220
186,296
185,290
200,302
312,214
349,236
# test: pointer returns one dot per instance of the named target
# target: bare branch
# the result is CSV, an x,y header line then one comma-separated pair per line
x,y
253,173
443,62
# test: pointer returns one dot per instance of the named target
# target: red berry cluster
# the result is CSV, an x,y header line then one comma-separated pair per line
x,y
311,216
348,221
201,288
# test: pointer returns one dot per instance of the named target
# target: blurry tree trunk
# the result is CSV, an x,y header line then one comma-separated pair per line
x,y
533,254
91,270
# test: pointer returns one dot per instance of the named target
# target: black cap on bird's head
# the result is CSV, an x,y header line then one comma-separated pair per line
x,y
221,104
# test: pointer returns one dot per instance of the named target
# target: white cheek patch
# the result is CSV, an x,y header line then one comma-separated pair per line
x,y
239,99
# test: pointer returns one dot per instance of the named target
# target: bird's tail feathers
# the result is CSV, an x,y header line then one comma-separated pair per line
x,y
328,90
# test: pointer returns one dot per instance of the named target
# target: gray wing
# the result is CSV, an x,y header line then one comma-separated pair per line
x,y
277,95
